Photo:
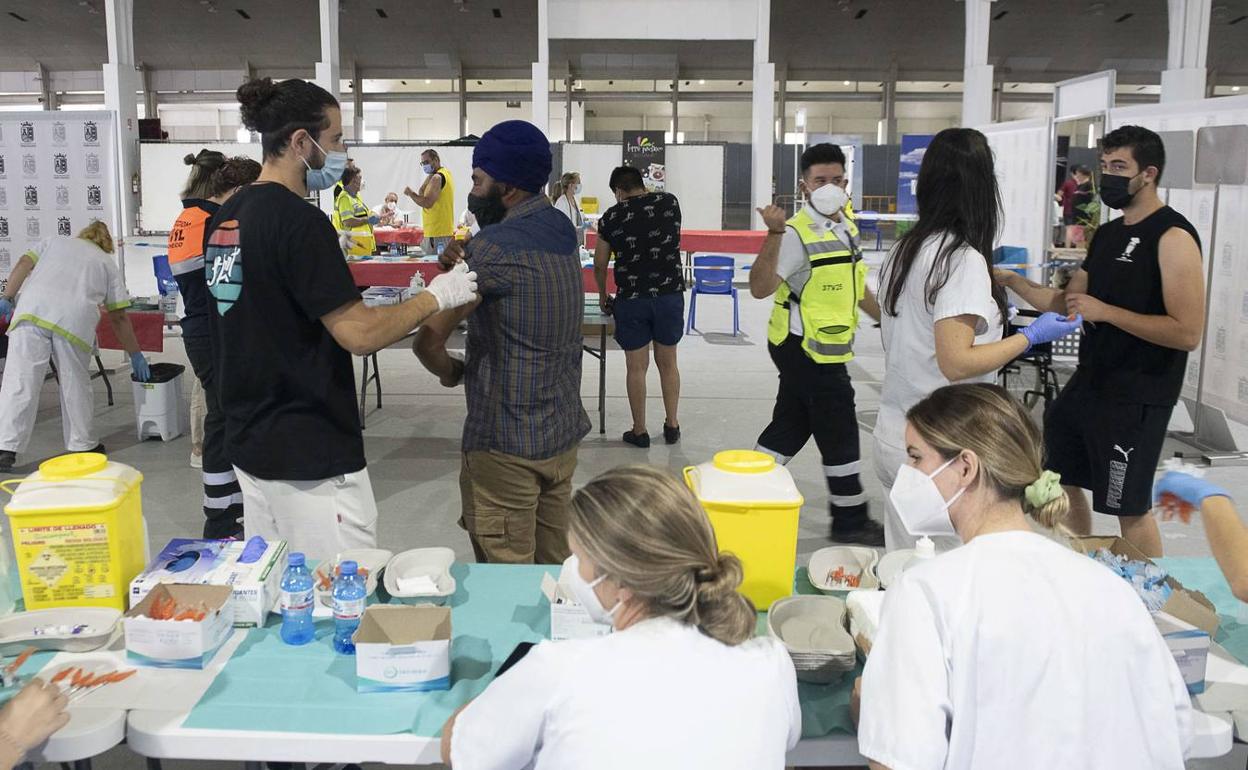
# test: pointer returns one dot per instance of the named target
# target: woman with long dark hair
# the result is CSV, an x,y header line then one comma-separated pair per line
x,y
943,317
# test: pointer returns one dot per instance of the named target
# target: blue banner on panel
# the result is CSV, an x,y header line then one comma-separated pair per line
x,y
912,148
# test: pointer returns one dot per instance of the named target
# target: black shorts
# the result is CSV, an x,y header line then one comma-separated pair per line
x,y
643,320
1107,446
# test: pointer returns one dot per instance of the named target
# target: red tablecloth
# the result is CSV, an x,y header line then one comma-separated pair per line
x,y
149,328
715,241
408,236
377,273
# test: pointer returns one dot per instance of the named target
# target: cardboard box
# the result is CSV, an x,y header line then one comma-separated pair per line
x,y
179,643
256,583
1190,648
401,648
568,619
1189,606
385,295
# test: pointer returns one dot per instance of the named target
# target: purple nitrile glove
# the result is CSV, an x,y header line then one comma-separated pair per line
x,y
1049,327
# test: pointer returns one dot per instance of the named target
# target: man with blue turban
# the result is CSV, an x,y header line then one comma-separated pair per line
x,y
522,369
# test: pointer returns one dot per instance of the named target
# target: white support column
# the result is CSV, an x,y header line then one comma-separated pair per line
x,y
977,73
762,134
121,86
541,70
463,104
1184,76
676,106
357,102
151,109
45,88
328,69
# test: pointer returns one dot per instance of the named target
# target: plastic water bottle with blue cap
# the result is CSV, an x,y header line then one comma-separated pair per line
x,y
297,602
349,593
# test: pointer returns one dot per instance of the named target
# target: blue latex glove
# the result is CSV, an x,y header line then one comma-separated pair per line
x,y
374,219
1049,327
6,310
139,365
1187,488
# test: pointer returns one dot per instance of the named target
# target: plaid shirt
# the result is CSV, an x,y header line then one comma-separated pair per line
x,y
523,371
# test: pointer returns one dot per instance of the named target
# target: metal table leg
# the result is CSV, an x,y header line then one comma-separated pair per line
x,y
363,390
377,379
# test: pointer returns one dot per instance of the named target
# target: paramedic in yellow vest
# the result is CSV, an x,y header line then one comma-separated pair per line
x,y
437,199
352,216
812,265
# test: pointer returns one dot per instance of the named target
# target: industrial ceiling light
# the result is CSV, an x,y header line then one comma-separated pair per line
x,y
845,82
702,81
1235,88
428,81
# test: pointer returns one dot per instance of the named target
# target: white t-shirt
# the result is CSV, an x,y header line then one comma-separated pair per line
x,y
1016,652
910,369
793,264
658,695
71,279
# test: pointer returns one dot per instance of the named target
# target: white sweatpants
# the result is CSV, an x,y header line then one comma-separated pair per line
x,y
319,518
30,349
887,460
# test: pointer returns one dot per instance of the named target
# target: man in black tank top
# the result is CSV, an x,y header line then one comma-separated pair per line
x,y
1142,296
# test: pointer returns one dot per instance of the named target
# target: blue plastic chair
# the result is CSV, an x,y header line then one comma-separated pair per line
x,y
713,275
866,225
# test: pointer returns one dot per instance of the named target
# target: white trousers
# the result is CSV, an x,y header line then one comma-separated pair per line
x,y
318,518
30,350
887,460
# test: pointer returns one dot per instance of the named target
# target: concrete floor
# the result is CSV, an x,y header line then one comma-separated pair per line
x,y
412,443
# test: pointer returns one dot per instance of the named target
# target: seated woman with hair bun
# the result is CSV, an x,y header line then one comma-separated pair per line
x,y
681,683
1011,650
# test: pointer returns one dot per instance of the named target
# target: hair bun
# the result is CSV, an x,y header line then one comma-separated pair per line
x,y
255,97
706,574
189,160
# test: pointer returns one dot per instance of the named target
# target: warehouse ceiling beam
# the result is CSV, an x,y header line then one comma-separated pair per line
x,y
328,69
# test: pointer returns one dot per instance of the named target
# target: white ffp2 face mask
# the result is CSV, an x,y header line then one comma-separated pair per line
x,y
918,502
585,594
829,199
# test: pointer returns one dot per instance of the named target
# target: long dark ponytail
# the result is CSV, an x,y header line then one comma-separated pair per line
x,y
959,203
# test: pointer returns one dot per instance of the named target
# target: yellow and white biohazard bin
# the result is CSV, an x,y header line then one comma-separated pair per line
x,y
754,507
78,531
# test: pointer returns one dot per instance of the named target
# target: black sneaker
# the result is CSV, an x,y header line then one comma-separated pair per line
x,y
671,433
868,532
641,440
7,460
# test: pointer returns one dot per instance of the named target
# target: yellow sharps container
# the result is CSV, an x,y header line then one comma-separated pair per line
x,y
754,507
78,532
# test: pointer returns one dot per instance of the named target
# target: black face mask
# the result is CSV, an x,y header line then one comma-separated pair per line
x,y
1116,191
488,209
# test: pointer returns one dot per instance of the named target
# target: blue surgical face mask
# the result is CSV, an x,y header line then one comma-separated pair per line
x,y
329,173
427,168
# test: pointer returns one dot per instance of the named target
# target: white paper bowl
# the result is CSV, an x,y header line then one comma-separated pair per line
x,y
853,558
891,564
17,631
812,629
432,562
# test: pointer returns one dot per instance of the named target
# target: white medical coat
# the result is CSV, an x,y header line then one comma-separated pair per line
x,y
1016,652
71,279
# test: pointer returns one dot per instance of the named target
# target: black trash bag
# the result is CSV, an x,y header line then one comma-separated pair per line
x,y
162,373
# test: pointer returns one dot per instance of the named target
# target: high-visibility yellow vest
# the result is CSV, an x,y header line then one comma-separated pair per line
x,y
438,220
828,303
348,206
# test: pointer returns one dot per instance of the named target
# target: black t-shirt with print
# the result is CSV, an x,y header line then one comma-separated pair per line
x,y
644,233
286,386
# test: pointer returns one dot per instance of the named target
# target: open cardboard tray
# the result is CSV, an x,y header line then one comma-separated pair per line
x,y
1186,605
17,631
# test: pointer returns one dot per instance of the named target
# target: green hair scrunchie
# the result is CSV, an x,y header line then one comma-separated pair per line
x,y
1044,490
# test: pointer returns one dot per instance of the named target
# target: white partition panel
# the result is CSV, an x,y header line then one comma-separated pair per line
x,y
594,162
1021,151
695,175
162,175
1226,375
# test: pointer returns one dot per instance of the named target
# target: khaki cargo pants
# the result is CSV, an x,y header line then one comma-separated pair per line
x,y
516,510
